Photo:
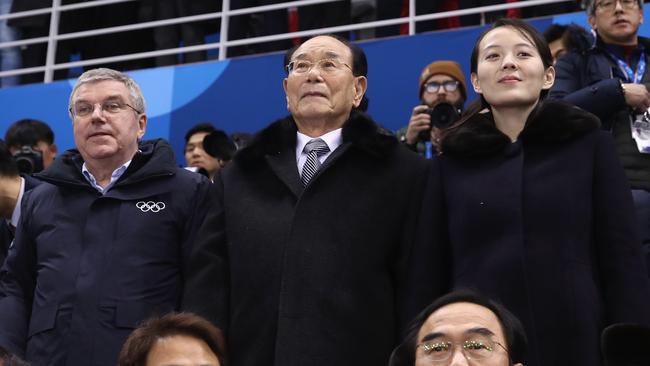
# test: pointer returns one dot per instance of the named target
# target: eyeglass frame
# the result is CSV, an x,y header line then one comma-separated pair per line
x,y
101,106
633,4
443,84
453,344
290,69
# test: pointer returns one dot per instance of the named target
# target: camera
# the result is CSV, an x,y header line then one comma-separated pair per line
x,y
442,115
28,160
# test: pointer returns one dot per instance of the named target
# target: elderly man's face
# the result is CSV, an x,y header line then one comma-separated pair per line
x,y
461,334
102,135
323,92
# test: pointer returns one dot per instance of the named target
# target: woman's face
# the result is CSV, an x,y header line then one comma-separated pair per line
x,y
510,72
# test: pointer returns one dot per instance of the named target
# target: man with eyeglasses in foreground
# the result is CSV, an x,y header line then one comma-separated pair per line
x,y
463,328
443,93
104,243
309,247
611,80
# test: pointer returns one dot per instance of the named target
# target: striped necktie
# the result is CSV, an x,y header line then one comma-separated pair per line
x,y
314,149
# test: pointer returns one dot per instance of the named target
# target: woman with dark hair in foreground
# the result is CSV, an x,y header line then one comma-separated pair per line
x,y
530,206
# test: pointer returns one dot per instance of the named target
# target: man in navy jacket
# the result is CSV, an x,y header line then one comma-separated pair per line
x,y
610,79
103,243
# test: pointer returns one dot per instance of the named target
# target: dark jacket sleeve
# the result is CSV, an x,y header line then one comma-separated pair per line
x,y
427,276
603,97
206,290
17,282
621,265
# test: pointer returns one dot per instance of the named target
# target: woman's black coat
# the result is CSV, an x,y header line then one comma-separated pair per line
x,y
545,225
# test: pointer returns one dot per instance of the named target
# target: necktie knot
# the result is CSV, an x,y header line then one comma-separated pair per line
x,y
318,146
314,149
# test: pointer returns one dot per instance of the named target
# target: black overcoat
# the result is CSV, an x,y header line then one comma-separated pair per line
x,y
315,274
545,225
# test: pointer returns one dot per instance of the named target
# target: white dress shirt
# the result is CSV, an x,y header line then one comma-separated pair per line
x,y
333,139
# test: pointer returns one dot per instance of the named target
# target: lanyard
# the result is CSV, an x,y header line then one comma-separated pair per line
x,y
632,76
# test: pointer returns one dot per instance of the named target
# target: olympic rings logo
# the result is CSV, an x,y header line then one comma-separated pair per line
x,y
150,206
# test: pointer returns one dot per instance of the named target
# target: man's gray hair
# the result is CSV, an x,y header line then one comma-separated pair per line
x,y
590,6
102,74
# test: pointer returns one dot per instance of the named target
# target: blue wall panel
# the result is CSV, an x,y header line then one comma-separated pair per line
x,y
245,94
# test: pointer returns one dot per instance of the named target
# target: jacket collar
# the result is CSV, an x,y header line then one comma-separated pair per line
x,y
360,131
550,122
600,45
154,158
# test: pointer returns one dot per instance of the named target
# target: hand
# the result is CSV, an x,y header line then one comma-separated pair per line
x,y
637,96
435,137
419,122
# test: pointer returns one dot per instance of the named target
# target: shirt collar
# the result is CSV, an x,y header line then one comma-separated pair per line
x,y
333,139
117,173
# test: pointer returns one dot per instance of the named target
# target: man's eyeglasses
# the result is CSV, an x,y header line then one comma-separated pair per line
x,y
477,348
610,5
434,86
84,109
326,66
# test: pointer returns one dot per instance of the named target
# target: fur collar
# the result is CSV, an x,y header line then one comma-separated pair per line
x,y
359,130
549,123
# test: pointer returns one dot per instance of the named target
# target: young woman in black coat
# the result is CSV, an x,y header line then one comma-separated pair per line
x,y
530,206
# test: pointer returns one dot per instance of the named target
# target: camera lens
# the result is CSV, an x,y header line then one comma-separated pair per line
x,y
443,115
28,160
25,165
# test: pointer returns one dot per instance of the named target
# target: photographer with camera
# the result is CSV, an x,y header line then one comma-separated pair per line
x,y
443,93
12,188
31,142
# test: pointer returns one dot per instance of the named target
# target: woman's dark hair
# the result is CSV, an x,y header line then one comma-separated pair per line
x,y
529,33
137,347
513,331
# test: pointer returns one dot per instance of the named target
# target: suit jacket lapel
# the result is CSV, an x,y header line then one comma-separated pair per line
x,y
285,167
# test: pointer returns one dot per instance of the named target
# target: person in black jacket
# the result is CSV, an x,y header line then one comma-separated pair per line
x,y
530,206
307,250
104,243
610,79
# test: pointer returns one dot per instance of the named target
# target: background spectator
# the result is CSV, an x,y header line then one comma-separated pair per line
x,y
463,318
610,80
442,92
32,143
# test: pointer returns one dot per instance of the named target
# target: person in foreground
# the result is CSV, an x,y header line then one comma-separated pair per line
x,y
307,249
529,205
179,339
463,328
104,243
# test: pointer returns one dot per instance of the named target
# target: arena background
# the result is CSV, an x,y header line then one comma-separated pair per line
x,y
245,94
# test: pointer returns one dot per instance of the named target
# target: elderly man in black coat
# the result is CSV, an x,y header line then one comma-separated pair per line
x,y
308,249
